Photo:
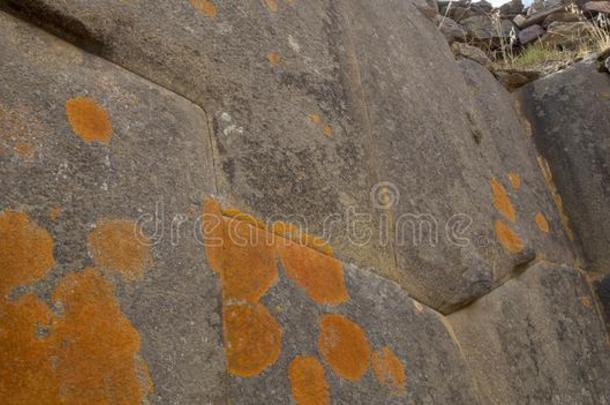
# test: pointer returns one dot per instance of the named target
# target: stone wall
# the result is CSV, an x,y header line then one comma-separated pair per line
x,y
396,218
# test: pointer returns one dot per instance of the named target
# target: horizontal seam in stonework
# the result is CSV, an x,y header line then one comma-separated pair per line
x,y
279,235
514,275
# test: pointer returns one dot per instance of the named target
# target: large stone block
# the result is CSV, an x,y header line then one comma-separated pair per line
x,y
268,75
432,146
570,116
509,142
537,339
313,328
314,108
88,152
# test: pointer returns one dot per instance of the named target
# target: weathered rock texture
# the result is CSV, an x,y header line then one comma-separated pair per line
x,y
87,150
570,116
350,119
543,329
307,123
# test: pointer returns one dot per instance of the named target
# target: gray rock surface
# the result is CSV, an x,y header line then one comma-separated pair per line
x,y
307,124
458,12
596,7
155,158
482,28
538,16
561,16
570,116
543,330
512,78
567,35
302,112
450,29
512,8
415,334
530,34
472,53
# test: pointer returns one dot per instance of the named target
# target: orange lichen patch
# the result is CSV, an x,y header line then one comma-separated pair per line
x,y
515,180
307,381
293,233
96,345
282,229
243,255
502,201
328,131
315,118
548,177
205,7
507,238
116,247
344,346
585,301
54,213
26,251
273,58
253,339
88,120
542,223
213,234
271,5
248,262
241,216
24,150
389,370
321,276
20,130
27,375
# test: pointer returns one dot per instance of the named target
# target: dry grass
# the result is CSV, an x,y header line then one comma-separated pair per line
x,y
600,34
538,54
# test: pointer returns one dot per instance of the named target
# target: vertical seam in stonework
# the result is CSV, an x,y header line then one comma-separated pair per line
x,y
596,301
367,119
212,147
471,377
